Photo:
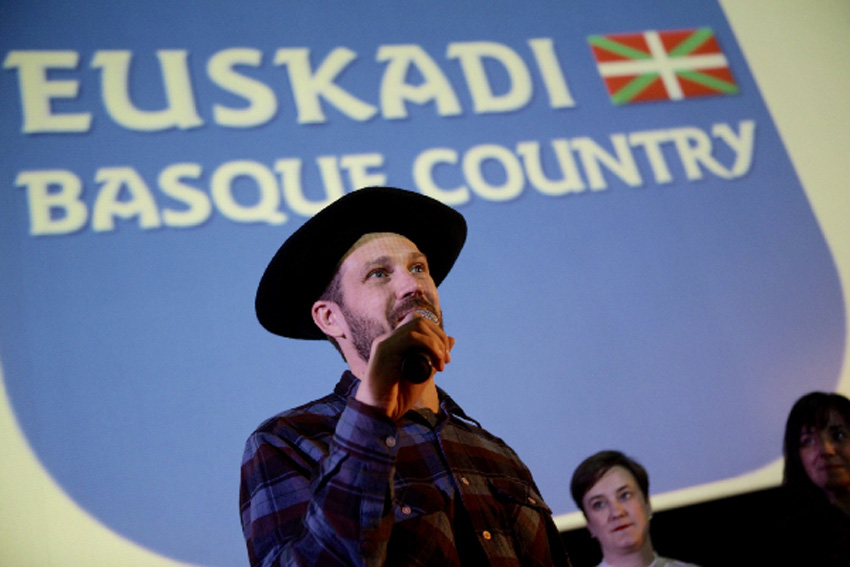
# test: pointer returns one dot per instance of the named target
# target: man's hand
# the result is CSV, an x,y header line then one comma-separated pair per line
x,y
383,386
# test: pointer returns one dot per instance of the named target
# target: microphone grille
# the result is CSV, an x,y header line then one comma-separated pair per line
x,y
431,316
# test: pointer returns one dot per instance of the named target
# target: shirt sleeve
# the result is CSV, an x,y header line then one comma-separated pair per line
x,y
304,502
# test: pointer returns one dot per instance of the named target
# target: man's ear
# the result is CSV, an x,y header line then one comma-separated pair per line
x,y
328,317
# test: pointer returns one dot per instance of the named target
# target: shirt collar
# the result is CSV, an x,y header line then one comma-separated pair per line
x,y
348,384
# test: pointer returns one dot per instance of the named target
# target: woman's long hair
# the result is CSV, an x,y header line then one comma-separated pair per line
x,y
812,410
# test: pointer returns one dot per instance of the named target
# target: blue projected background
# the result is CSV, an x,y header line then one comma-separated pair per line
x,y
647,276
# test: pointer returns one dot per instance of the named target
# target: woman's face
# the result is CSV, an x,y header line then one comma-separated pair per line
x,y
617,513
825,454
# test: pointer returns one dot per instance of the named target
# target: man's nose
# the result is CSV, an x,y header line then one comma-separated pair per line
x,y
408,284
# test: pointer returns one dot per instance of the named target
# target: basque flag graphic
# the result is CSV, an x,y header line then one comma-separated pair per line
x,y
662,65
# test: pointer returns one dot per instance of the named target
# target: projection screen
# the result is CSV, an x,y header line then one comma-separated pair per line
x,y
657,258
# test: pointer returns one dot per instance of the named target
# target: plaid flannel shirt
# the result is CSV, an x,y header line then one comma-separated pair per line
x,y
334,482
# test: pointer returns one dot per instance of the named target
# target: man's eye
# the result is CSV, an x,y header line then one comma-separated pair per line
x,y
418,269
840,435
378,273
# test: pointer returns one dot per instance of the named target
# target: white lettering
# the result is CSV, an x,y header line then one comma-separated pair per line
x,y
622,165
395,89
473,163
358,166
250,192
266,207
331,176
651,141
308,86
262,103
742,144
694,147
470,55
37,91
198,206
550,70
109,203
497,78
290,180
54,201
180,111
423,176
570,181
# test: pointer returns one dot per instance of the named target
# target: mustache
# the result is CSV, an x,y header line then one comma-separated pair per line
x,y
409,304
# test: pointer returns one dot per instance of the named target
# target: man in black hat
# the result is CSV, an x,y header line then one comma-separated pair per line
x,y
386,470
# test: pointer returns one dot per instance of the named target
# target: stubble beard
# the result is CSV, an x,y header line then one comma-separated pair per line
x,y
364,330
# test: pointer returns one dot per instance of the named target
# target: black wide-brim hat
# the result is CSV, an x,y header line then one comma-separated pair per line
x,y
303,266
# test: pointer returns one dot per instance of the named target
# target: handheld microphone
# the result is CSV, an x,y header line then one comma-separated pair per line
x,y
416,366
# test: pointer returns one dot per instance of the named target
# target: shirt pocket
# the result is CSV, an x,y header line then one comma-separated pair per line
x,y
515,493
417,501
422,534
526,518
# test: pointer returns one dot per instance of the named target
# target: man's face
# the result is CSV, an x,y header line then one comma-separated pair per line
x,y
383,278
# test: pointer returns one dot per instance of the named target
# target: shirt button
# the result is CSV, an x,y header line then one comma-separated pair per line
x,y
405,510
486,535
390,441
464,480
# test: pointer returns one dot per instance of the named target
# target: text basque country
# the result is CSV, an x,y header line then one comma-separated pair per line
x,y
57,204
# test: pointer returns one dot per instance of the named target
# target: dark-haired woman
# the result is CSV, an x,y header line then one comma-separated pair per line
x,y
612,491
816,530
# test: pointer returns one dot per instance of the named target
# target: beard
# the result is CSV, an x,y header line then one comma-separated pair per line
x,y
364,330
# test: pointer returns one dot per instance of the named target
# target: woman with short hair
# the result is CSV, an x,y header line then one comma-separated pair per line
x,y
612,491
